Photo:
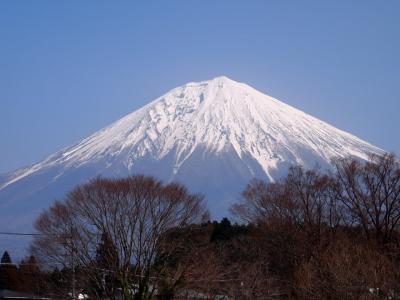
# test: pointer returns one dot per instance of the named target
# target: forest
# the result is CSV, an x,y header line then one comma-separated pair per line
x,y
314,234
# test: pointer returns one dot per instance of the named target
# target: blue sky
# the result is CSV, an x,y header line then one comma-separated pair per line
x,y
68,68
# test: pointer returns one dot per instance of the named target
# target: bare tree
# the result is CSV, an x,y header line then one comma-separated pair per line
x,y
348,270
263,202
310,225
134,213
370,191
303,199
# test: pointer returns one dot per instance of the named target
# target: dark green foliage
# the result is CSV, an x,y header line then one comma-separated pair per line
x,y
107,253
58,282
8,273
32,280
224,230
6,259
106,263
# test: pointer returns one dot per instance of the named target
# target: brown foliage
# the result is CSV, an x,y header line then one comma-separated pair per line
x,y
348,270
331,236
370,192
135,213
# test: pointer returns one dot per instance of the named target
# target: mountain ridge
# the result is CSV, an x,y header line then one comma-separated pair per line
x,y
210,135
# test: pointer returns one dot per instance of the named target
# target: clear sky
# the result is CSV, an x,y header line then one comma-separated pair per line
x,y
68,68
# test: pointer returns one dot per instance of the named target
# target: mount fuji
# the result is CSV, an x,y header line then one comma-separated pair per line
x,y
213,136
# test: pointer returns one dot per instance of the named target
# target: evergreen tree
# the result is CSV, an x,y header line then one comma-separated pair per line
x,y
224,230
106,262
30,276
106,253
8,273
6,258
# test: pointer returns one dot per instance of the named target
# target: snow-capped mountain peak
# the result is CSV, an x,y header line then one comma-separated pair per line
x,y
212,135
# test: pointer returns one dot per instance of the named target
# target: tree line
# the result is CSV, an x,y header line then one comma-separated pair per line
x,y
24,277
310,235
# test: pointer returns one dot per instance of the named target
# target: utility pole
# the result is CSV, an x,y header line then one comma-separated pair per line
x,y
73,273
73,265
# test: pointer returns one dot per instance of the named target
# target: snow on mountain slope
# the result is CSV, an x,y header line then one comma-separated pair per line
x,y
213,136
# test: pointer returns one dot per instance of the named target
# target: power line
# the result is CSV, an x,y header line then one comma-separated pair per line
x,y
20,233
33,234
